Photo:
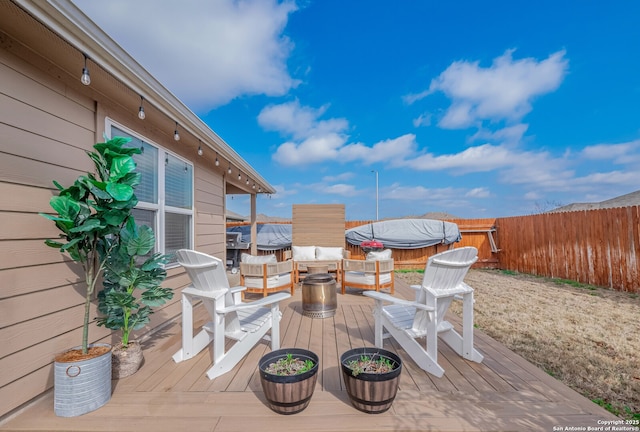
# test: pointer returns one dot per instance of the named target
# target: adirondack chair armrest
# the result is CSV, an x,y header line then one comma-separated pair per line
x,y
237,289
415,287
391,299
270,299
455,264
215,295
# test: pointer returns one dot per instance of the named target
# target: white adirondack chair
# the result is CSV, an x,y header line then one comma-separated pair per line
x,y
406,320
247,323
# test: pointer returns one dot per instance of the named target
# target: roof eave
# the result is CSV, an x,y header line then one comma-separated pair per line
x,y
70,23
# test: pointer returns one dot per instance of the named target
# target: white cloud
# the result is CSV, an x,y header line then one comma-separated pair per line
x,y
422,120
391,151
511,135
503,91
412,193
315,140
473,159
478,193
299,121
311,150
532,196
624,153
238,47
341,189
339,177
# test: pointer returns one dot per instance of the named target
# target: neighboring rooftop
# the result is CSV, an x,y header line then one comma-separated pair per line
x,y
630,199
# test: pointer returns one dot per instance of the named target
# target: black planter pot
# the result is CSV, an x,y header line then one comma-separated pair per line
x,y
288,394
372,393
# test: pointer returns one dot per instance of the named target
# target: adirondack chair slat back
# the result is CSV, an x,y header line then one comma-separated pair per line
x,y
445,271
206,272
443,276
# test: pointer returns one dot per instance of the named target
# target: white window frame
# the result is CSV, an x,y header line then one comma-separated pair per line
x,y
161,208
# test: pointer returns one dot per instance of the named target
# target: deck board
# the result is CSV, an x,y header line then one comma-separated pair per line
x,y
504,392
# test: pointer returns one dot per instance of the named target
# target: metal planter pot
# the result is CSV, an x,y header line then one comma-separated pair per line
x,y
82,386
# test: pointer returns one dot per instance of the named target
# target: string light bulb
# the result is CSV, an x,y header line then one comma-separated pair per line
x,y
229,170
141,114
200,152
176,135
217,161
239,176
85,78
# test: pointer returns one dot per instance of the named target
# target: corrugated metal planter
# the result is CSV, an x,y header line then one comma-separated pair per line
x,y
82,386
288,394
371,392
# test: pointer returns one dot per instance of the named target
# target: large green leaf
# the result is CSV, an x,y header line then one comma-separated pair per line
x,y
143,243
132,179
120,192
88,225
120,167
156,297
65,206
71,244
115,217
53,244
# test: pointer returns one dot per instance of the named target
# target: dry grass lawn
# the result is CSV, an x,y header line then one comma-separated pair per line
x,y
587,337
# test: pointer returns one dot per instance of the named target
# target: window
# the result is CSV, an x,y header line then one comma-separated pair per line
x,y
165,193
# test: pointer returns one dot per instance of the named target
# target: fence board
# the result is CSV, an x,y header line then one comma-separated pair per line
x,y
599,247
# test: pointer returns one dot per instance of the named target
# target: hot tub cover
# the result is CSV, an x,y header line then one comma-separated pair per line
x,y
270,237
406,233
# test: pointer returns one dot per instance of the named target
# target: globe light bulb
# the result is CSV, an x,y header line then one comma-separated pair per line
x,y
85,78
141,114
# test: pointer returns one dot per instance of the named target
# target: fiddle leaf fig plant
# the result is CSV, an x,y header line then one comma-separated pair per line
x,y
92,211
132,280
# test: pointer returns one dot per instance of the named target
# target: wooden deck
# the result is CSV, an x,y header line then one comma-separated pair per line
x,y
503,393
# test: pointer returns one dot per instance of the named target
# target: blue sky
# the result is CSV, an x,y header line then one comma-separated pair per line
x,y
476,109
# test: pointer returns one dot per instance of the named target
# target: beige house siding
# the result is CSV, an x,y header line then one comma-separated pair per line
x,y
46,127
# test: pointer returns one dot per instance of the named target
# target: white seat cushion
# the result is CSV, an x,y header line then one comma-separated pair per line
x,y
366,278
272,281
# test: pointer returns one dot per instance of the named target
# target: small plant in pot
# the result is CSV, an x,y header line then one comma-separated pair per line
x,y
132,286
371,376
88,213
288,377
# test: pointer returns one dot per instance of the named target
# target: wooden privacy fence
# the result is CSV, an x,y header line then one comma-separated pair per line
x,y
475,232
598,247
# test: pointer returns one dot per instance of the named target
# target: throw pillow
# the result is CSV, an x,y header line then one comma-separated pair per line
x,y
379,255
329,253
303,253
